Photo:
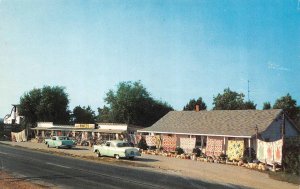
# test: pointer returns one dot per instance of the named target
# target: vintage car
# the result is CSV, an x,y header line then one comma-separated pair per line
x,y
59,142
117,149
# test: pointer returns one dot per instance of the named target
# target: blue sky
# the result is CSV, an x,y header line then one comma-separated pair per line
x,y
178,49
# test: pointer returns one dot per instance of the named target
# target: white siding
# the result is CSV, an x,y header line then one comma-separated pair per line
x,y
273,132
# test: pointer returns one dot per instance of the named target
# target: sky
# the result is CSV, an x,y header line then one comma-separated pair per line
x,y
179,50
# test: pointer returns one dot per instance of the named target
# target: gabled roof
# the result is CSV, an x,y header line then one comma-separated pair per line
x,y
238,123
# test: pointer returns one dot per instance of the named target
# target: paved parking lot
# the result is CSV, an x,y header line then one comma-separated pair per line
x,y
220,173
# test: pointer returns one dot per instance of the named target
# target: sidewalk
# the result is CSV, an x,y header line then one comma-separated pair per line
x,y
211,172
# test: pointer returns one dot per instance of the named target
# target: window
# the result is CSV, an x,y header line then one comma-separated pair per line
x,y
107,144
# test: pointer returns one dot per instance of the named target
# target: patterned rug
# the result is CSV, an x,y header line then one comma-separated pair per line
x,y
151,140
214,146
270,152
187,144
235,149
169,142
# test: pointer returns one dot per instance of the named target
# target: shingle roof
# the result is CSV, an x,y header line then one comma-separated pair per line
x,y
216,122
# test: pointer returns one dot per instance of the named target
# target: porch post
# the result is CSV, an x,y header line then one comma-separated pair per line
x,y
249,145
224,150
201,138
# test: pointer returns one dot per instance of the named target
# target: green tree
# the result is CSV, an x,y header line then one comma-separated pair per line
x,y
231,100
104,115
249,105
45,104
267,106
83,115
131,103
190,106
289,105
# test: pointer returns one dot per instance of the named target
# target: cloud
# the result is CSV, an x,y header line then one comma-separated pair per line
x,y
278,67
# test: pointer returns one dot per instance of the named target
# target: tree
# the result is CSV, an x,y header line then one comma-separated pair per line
x,y
249,105
231,100
190,106
104,115
83,115
266,106
289,106
45,104
131,103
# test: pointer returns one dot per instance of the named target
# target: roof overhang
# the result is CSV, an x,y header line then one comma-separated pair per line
x,y
194,134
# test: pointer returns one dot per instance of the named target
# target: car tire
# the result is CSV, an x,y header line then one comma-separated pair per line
x,y
117,156
98,154
131,158
48,146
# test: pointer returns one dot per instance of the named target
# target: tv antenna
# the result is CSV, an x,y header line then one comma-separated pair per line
x,y
249,89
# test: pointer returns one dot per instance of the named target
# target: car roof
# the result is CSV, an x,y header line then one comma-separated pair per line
x,y
115,141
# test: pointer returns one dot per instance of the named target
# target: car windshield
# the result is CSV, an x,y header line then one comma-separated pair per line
x,y
63,138
123,144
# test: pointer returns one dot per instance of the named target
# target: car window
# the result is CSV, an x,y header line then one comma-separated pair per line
x,y
123,144
53,138
107,144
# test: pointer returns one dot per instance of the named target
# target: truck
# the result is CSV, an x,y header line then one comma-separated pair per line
x,y
59,142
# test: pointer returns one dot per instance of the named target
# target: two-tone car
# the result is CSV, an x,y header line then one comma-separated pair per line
x,y
59,142
117,149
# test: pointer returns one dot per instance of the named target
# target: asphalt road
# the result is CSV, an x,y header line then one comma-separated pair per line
x,y
66,172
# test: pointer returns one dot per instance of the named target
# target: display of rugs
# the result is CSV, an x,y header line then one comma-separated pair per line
x,y
187,144
158,141
151,140
131,138
235,149
18,137
214,146
138,138
169,142
270,152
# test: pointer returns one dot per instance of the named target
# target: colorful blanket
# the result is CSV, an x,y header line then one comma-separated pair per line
x,y
187,144
151,140
169,142
235,149
214,146
270,152
158,141
18,137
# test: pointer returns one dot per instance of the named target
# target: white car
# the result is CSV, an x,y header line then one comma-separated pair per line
x,y
117,149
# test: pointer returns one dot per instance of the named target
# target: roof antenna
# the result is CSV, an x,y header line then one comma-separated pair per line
x,y
249,90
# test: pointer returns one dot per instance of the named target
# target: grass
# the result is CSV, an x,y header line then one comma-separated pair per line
x,y
285,177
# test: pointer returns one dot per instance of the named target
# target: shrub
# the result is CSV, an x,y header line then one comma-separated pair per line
x,y
247,157
179,150
291,157
142,144
197,151
223,156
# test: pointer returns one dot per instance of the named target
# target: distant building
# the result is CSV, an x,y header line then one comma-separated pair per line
x,y
14,117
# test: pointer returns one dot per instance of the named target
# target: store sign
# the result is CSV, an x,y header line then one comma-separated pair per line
x,y
87,126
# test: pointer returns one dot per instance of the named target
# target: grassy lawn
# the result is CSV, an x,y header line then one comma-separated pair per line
x,y
285,177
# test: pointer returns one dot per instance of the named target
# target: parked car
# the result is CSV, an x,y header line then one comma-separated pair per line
x,y
117,149
59,142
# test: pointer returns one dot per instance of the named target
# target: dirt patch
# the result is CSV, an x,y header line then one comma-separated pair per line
x,y
7,181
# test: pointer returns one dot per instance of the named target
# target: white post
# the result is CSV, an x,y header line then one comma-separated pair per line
x,y
224,141
201,138
249,145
